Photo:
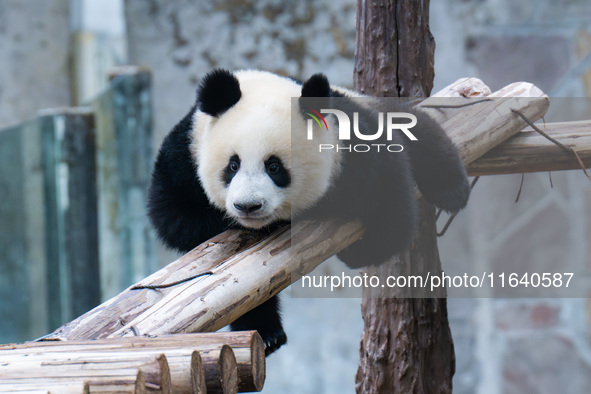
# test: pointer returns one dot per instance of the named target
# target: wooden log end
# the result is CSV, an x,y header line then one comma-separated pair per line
x,y
140,383
197,374
157,375
220,369
229,370
251,372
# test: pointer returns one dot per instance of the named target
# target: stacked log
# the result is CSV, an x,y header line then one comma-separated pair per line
x,y
225,362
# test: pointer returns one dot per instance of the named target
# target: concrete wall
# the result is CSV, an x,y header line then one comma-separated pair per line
x,y
181,40
520,345
34,36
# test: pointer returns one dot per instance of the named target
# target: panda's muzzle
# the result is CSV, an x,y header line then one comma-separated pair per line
x,y
252,214
248,208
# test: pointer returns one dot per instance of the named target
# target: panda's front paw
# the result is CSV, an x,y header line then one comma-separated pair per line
x,y
273,340
450,199
266,320
356,257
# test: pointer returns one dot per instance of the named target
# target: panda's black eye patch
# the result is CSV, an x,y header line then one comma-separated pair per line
x,y
231,169
277,172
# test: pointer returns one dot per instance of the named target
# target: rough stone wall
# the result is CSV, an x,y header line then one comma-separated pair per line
x,y
181,40
34,36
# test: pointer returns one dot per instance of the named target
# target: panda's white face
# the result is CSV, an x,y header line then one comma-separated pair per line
x,y
247,162
257,189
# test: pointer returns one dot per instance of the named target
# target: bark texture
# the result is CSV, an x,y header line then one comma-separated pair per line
x,y
395,50
406,346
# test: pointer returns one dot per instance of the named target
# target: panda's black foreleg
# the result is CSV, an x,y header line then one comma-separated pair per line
x,y
437,168
389,226
266,319
379,245
378,190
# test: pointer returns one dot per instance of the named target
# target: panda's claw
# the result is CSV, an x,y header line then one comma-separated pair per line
x,y
274,341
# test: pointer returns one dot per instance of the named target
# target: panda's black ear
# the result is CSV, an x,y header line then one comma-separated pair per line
x,y
218,92
316,86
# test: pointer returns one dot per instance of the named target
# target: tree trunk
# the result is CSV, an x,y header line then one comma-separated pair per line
x,y
406,346
395,49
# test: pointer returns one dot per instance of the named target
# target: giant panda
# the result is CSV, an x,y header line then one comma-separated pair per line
x,y
234,162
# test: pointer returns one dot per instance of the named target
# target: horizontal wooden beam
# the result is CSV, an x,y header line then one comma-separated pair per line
x,y
483,123
129,370
529,151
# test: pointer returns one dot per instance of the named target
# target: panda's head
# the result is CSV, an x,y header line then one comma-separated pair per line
x,y
248,163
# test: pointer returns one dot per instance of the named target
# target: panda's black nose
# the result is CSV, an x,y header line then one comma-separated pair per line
x,y
248,207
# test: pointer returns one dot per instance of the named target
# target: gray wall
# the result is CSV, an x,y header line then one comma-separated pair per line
x,y
181,40
520,345
34,36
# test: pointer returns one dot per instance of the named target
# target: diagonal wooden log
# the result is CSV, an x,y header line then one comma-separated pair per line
x,y
238,270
